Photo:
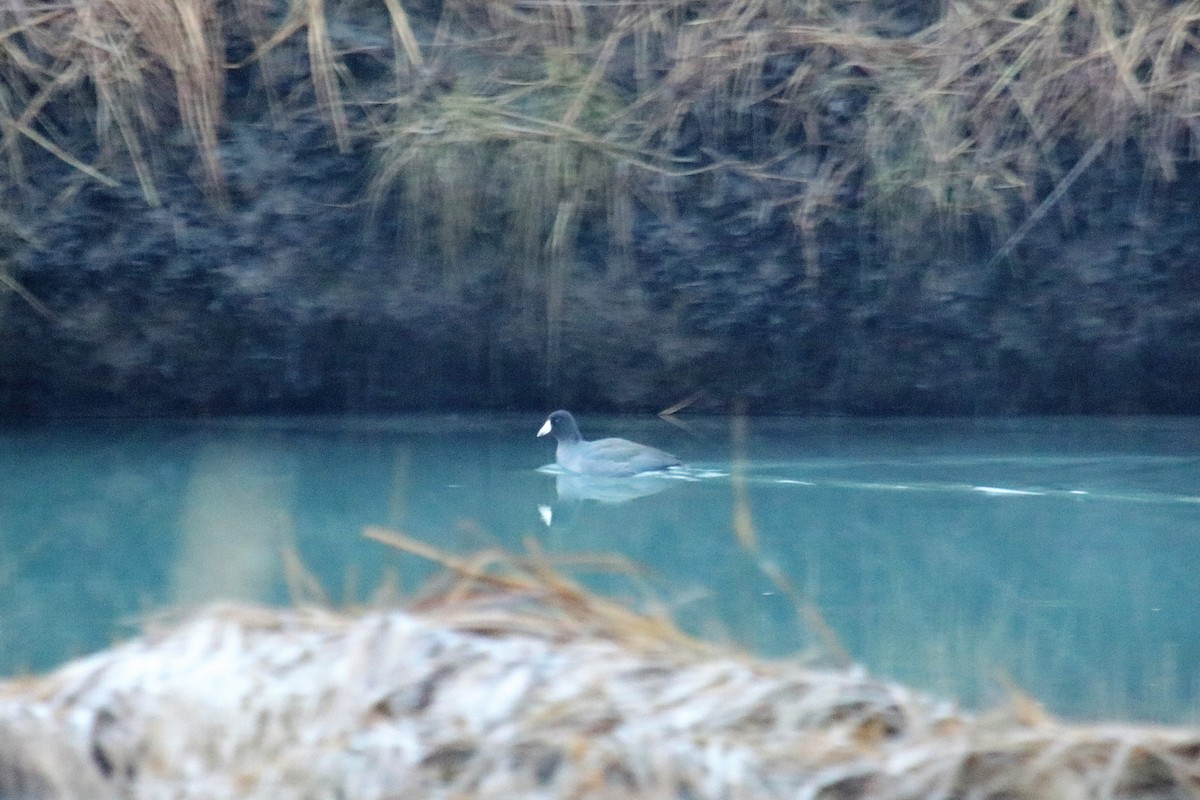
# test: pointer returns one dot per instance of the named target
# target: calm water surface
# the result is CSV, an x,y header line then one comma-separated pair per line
x,y
1062,555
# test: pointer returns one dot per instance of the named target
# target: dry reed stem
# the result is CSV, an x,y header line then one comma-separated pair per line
x,y
747,537
1044,208
324,73
17,288
538,577
64,156
404,33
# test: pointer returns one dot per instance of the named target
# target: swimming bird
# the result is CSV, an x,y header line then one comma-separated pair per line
x,y
608,457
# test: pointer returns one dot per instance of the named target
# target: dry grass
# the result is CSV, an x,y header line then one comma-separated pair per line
x,y
529,119
503,680
122,55
992,112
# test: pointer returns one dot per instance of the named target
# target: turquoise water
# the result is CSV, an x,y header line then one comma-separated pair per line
x,y
1061,555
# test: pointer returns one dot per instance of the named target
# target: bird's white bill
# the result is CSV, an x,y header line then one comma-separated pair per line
x,y
542,431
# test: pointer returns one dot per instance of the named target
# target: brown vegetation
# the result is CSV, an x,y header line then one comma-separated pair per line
x,y
526,118
508,680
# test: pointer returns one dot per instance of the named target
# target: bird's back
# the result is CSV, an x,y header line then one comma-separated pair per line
x,y
612,457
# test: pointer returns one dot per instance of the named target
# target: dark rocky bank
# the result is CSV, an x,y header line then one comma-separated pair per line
x,y
290,291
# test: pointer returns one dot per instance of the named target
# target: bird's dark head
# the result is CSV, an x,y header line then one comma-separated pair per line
x,y
562,425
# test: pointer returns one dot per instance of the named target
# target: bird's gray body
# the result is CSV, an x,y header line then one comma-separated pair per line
x,y
607,457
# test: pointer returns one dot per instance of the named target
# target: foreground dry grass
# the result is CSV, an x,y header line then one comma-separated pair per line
x,y
511,682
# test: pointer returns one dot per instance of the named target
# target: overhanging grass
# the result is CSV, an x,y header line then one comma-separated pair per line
x,y
530,118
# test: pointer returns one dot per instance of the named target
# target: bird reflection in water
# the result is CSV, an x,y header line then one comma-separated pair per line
x,y
573,489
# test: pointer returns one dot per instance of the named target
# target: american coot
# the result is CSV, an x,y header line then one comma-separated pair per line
x,y
611,457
